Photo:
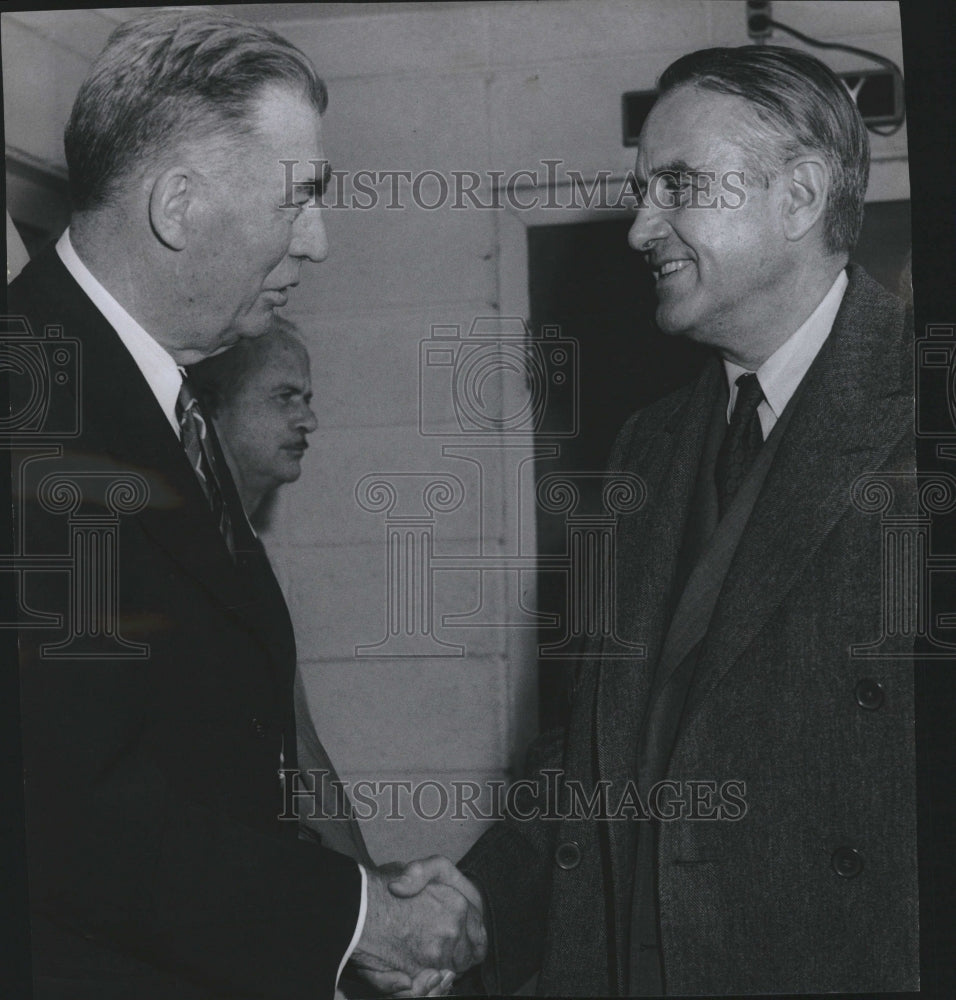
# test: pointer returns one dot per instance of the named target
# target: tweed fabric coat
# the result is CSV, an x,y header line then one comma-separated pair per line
x,y
812,885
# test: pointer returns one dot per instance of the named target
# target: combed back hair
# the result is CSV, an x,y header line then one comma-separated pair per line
x,y
799,105
218,379
169,76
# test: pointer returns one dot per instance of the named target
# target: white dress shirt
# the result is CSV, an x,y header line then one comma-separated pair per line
x,y
164,378
783,371
156,363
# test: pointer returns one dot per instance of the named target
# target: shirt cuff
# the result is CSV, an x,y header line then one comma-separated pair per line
x,y
359,926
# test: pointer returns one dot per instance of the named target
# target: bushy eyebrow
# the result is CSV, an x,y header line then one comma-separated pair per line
x,y
322,182
316,187
673,167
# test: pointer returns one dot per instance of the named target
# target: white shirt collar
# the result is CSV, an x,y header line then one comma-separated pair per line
x,y
784,370
159,368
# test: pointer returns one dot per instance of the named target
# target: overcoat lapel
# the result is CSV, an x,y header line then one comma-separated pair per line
x,y
853,411
696,602
667,462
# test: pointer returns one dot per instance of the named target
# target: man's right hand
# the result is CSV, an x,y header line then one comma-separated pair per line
x,y
430,919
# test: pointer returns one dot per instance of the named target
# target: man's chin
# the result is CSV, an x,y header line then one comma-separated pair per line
x,y
256,323
681,318
254,330
670,322
290,471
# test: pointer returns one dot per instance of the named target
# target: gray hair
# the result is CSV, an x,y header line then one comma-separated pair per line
x,y
799,104
169,76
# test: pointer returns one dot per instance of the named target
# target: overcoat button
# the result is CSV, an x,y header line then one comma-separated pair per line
x,y
568,855
259,729
869,694
847,862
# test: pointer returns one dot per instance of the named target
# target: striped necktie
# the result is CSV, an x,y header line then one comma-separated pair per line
x,y
193,432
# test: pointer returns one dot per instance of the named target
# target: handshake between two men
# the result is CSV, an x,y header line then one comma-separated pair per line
x,y
424,925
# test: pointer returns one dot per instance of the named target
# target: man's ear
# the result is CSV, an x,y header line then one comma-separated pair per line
x,y
171,198
808,185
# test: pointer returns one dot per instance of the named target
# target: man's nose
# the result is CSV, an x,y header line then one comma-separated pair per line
x,y
309,238
649,225
305,419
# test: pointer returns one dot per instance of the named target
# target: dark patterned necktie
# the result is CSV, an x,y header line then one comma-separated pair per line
x,y
192,427
741,442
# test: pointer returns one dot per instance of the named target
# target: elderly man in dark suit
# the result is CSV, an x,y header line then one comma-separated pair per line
x,y
259,395
157,656
744,816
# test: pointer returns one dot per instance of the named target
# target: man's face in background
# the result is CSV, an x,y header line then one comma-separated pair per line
x,y
266,421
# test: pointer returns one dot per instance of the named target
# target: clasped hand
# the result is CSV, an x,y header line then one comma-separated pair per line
x,y
424,924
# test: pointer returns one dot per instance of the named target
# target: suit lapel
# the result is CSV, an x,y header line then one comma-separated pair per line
x,y
121,415
120,409
853,410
